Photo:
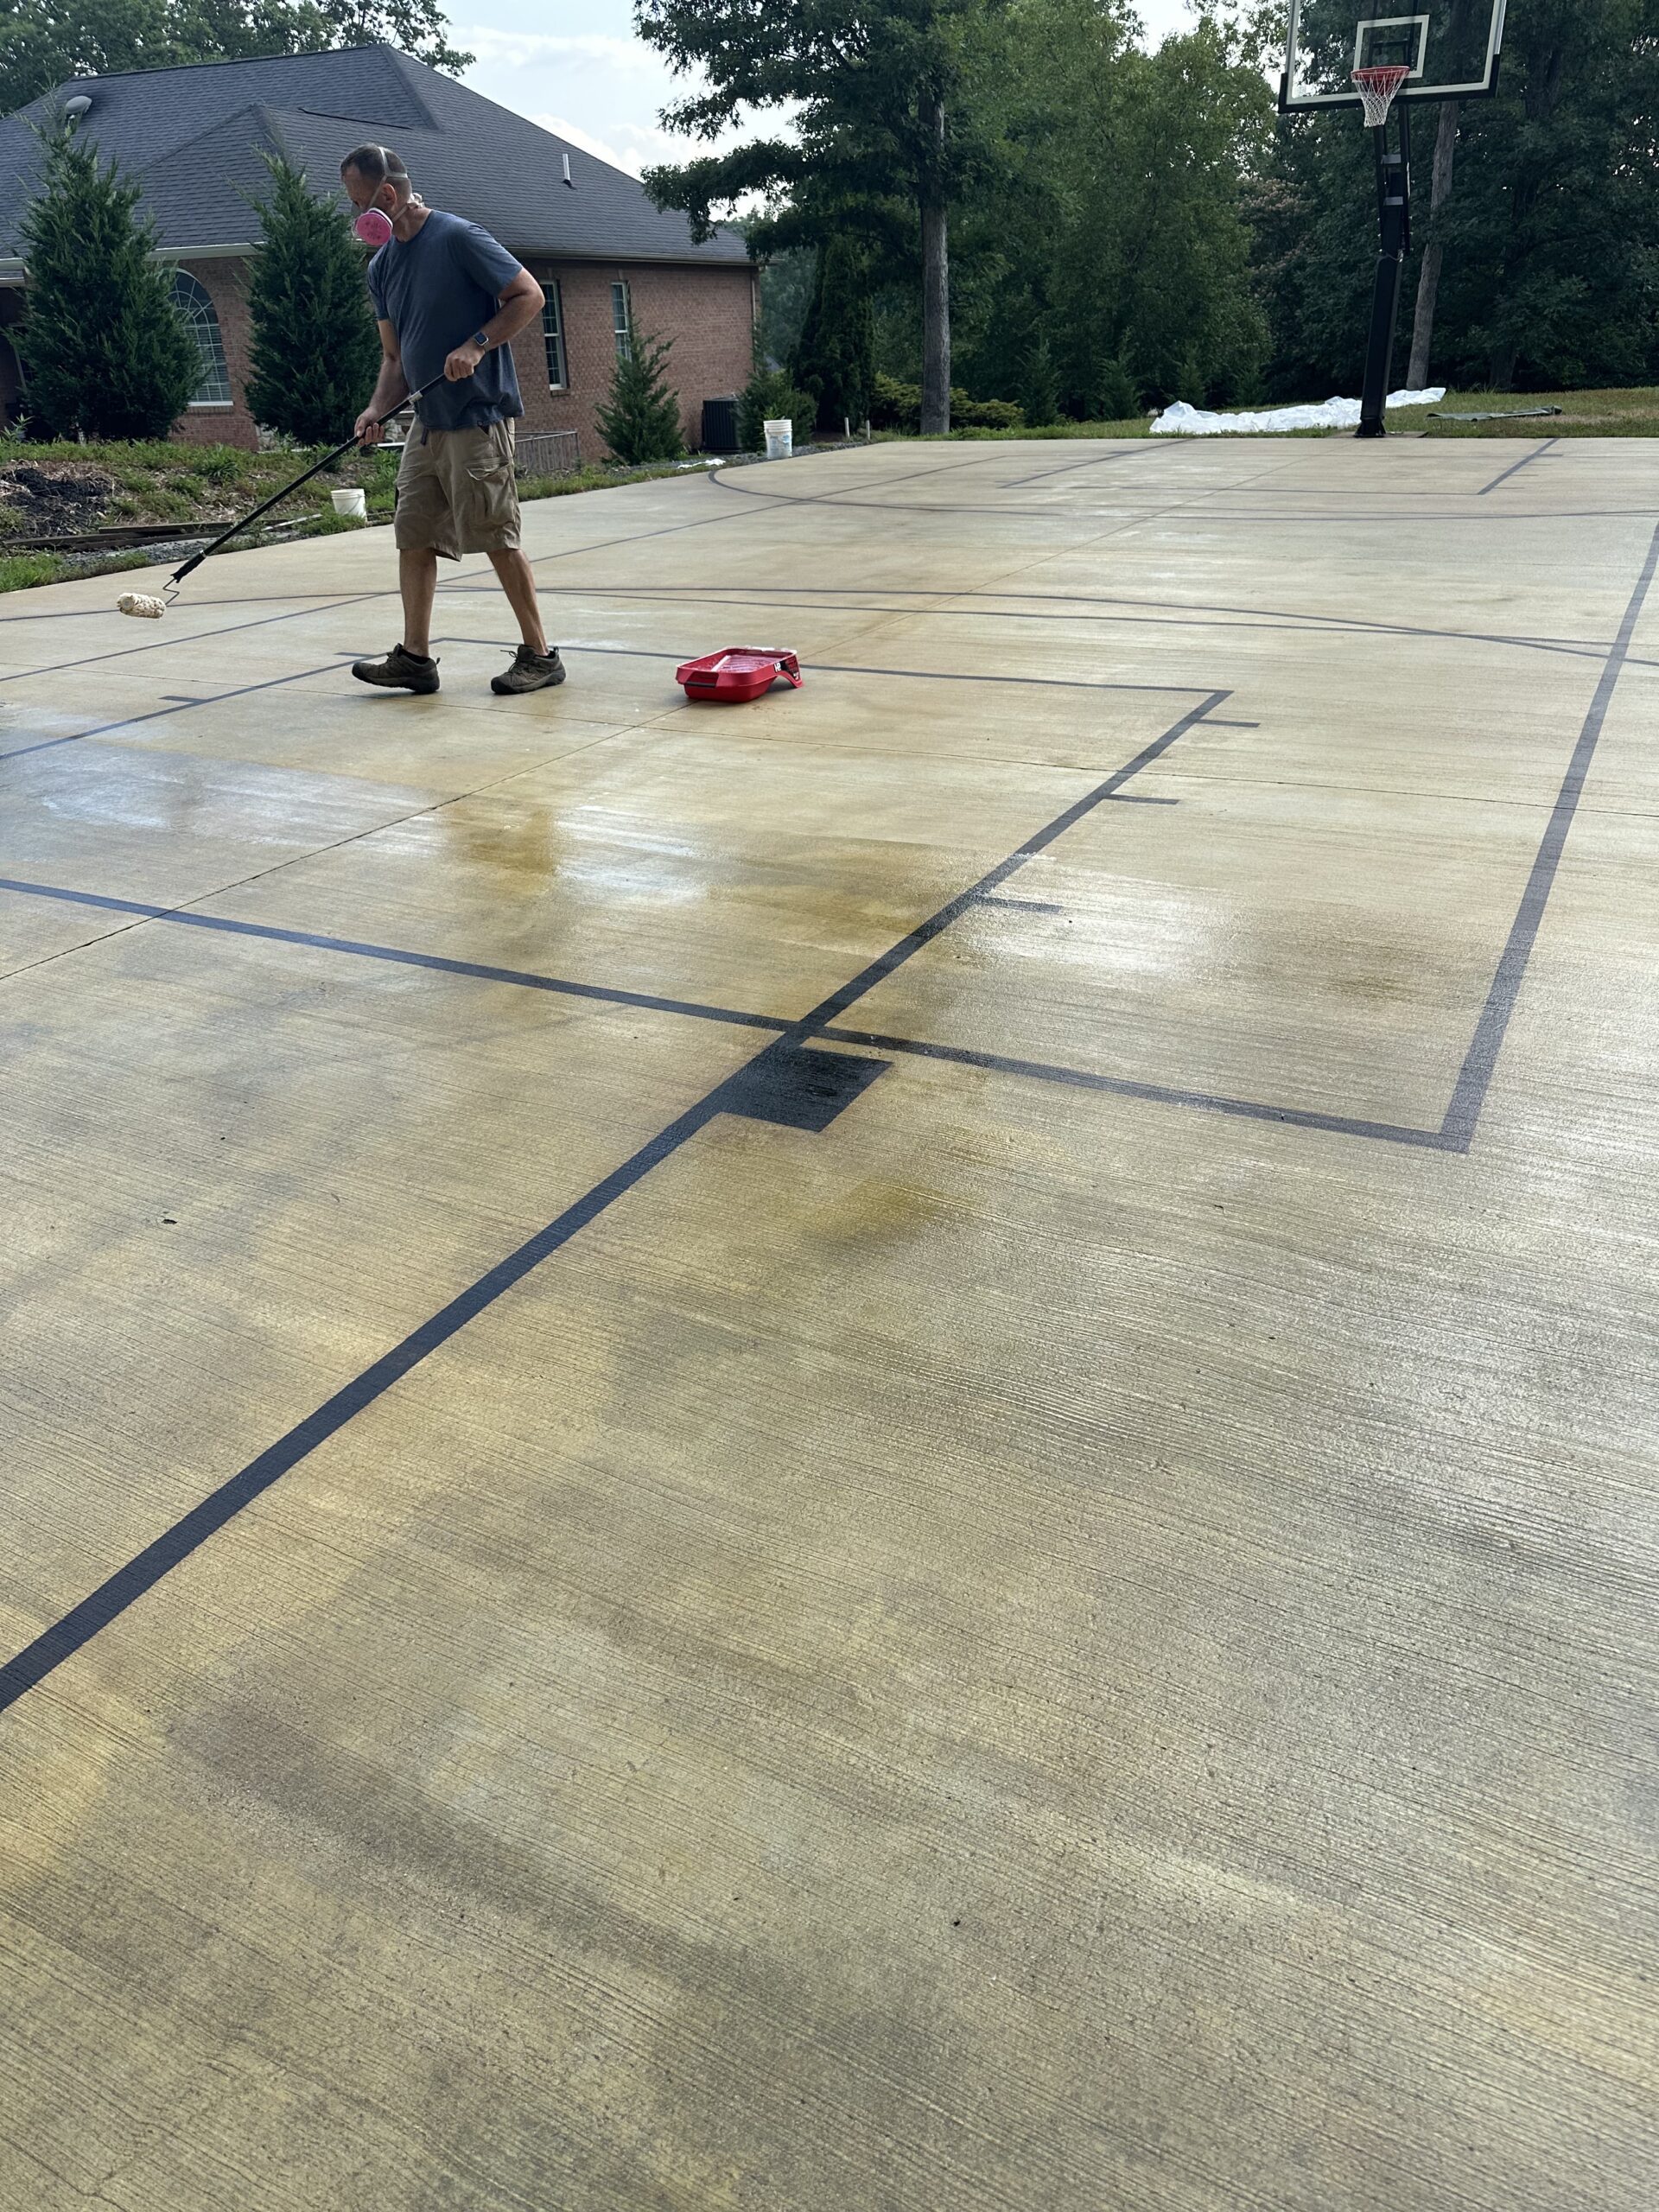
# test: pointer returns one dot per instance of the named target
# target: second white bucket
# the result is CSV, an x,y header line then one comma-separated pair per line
x,y
781,439
351,502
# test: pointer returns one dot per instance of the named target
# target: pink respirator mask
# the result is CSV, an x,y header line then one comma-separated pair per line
x,y
373,227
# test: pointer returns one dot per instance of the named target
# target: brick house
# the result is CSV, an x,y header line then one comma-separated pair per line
x,y
609,262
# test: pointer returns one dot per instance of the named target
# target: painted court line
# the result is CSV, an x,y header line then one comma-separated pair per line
x,y
1100,460
1458,1125
1157,1094
1526,461
399,956
851,667
75,1629
1463,1115
922,1048
191,638
1158,614
175,706
1190,505
141,1574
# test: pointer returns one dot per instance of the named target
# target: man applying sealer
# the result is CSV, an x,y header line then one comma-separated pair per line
x,y
436,276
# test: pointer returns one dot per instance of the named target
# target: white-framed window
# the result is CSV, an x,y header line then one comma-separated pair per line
x,y
558,368
196,303
622,321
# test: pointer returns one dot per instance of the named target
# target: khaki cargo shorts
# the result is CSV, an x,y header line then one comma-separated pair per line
x,y
456,493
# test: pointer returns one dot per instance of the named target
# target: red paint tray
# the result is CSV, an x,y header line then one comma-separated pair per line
x,y
738,672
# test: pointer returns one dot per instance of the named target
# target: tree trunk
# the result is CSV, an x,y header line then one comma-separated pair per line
x,y
936,303
1429,280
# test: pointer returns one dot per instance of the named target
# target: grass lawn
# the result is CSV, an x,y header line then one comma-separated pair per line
x,y
1631,414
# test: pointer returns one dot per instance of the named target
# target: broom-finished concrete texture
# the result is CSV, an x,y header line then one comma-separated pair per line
x,y
881,1453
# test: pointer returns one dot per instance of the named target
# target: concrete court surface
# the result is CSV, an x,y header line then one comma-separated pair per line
x,y
882,1453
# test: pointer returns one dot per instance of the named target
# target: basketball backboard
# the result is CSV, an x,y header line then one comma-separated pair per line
x,y
1451,47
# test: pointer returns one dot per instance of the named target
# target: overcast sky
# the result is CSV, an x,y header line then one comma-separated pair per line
x,y
577,67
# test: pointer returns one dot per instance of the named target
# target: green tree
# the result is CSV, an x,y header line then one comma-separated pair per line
x,y
834,359
314,347
106,353
43,43
788,285
768,397
1552,234
1039,383
1112,393
1112,230
1540,262
641,420
879,130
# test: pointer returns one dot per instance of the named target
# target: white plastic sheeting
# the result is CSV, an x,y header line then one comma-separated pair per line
x,y
1181,421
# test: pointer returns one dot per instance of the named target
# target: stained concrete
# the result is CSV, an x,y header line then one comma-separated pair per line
x,y
1064,1625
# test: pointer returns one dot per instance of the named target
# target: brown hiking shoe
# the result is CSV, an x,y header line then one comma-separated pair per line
x,y
401,671
530,671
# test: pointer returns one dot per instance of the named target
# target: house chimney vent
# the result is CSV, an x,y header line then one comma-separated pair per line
x,y
568,179
76,108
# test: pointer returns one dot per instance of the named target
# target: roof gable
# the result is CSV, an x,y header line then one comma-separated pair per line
x,y
194,139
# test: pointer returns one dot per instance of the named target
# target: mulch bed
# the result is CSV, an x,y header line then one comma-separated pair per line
x,y
55,497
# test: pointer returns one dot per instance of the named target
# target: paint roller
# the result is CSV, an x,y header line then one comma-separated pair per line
x,y
374,229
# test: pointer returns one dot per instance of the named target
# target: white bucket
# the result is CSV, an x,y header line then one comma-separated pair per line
x,y
781,439
350,503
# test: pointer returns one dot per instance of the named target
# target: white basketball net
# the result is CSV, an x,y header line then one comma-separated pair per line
x,y
1377,87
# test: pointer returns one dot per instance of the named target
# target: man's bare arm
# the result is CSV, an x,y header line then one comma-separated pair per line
x,y
520,304
390,389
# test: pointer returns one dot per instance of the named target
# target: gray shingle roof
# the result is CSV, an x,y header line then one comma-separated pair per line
x,y
193,139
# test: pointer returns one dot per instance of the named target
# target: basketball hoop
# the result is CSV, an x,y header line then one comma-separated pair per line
x,y
1377,87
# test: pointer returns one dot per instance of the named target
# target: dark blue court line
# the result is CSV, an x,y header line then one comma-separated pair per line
x,y
735,1093
480,971
298,613
847,668
1526,461
999,1063
940,468
245,599
193,638
339,598
76,1628
1075,604
1100,460
1457,1131
161,714
1463,1115
1157,1094
1270,622
845,502
1187,508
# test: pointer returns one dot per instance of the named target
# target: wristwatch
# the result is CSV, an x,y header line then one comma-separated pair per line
x,y
478,340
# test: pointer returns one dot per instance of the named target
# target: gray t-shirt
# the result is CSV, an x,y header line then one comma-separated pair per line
x,y
435,290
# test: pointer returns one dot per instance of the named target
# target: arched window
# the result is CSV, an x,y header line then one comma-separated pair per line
x,y
196,303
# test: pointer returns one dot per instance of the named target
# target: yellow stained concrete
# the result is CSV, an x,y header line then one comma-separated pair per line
x,y
1042,1648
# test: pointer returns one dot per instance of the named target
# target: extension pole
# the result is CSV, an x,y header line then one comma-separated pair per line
x,y
1394,221
243,522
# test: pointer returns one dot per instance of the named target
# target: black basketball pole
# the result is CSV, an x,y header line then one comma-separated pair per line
x,y
1393,219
